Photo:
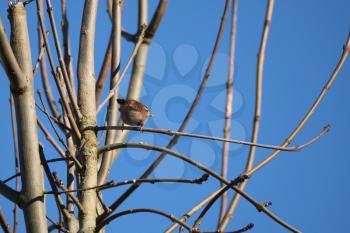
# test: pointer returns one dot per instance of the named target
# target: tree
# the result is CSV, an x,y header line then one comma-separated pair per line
x,y
91,143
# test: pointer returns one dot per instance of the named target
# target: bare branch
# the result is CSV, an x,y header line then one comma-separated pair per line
x,y
62,126
258,103
17,78
4,223
229,102
113,184
346,50
43,69
66,45
59,202
243,229
155,21
55,225
11,177
16,156
50,120
59,183
141,210
199,219
112,113
105,68
192,211
131,58
56,74
232,184
71,93
77,163
250,172
178,134
128,36
51,139
38,60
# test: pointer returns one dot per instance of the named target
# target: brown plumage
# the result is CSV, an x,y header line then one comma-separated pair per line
x,y
133,112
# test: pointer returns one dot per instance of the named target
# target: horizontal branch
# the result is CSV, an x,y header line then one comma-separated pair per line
x,y
141,210
177,133
113,184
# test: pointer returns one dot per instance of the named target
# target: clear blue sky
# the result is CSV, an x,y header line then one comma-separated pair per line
x,y
309,189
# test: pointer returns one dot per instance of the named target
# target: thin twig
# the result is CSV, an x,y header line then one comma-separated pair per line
x,y
71,93
4,223
76,161
11,177
192,211
56,74
66,44
113,184
59,183
49,137
243,229
58,200
50,120
99,197
141,210
38,60
229,104
44,74
198,221
63,126
57,226
179,133
58,160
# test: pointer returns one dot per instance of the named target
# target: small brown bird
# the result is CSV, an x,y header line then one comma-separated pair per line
x,y
133,112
